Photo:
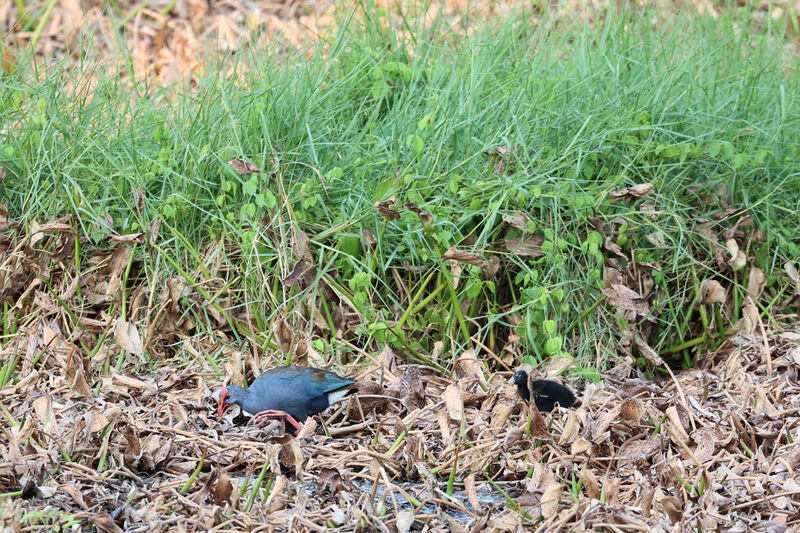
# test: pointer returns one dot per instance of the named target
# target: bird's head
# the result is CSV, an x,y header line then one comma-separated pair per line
x,y
521,381
230,395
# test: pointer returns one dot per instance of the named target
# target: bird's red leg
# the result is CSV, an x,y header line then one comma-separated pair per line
x,y
298,426
262,418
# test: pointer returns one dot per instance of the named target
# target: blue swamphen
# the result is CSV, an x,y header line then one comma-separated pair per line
x,y
291,393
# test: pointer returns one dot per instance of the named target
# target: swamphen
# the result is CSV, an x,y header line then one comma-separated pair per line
x,y
545,393
291,393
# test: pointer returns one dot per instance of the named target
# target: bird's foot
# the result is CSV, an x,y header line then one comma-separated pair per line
x,y
263,417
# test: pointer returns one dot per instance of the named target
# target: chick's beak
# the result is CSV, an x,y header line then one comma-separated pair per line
x,y
222,405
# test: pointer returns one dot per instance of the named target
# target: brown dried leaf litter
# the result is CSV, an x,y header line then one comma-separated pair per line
x,y
633,454
141,448
168,42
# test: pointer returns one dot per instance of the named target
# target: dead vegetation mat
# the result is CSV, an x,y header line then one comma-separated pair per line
x,y
171,41
98,435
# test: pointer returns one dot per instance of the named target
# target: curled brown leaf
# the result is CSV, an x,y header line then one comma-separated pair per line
x,y
471,258
241,166
756,282
128,238
529,246
711,292
627,299
385,209
647,352
223,489
637,448
423,215
631,193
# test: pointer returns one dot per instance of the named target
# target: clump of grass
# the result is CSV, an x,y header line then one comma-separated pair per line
x,y
705,110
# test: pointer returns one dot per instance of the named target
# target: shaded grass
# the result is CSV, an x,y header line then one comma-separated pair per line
x,y
706,110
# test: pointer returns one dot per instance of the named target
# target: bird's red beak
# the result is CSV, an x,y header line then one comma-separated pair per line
x,y
222,405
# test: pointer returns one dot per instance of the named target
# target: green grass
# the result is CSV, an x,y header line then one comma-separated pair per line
x,y
706,110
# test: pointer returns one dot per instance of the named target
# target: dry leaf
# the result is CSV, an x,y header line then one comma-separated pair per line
x,y
631,410
278,495
300,245
423,215
290,456
756,281
737,259
472,494
551,498
129,238
557,365
611,245
750,316
62,224
705,438
369,239
711,292
580,446
647,352
791,271
468,366
637,448
590,484
603,423
631,193
9,65
443,420
538,425
529,246
139,196
43,407
672,506
704,228
98,422
385,209
676,426
132,382
75,376
502,158
506,522
453,402
331,480
155,229
410,388
127,336
503,151
299,271
74,492
404,521
284,335
470,258
571,429
657,239
386,360
520,222
104,523
240,166
624,298
500,414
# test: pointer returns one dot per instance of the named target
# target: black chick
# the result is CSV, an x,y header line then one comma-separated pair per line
x,y
546,393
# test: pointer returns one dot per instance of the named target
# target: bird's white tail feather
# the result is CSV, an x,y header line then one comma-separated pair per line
x,y
337,395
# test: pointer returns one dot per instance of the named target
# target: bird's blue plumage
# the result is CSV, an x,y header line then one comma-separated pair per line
x,y
300,391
